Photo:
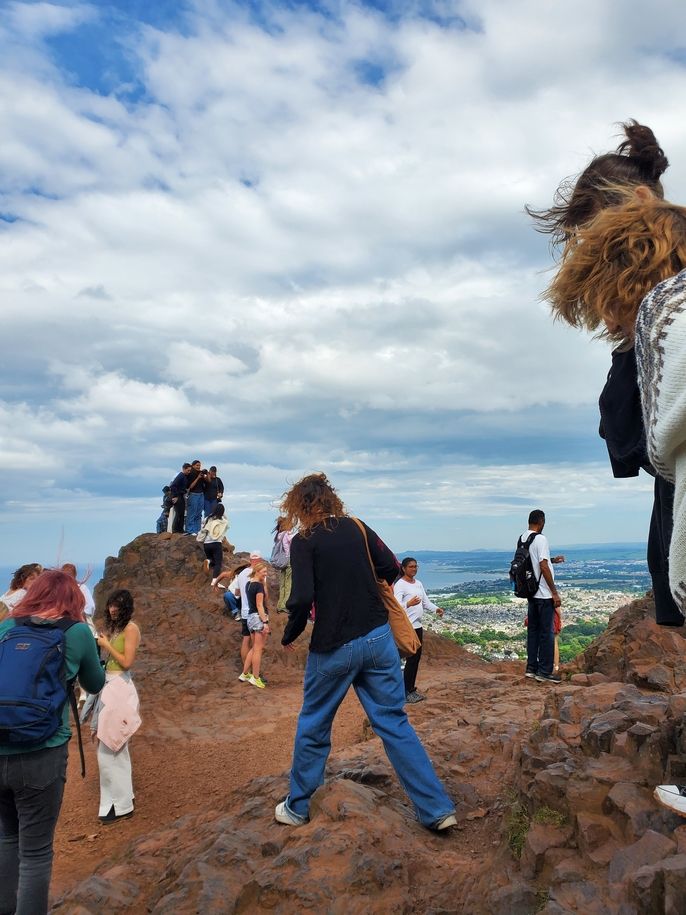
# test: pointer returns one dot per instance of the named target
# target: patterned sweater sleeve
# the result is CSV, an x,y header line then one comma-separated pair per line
x,y
661,362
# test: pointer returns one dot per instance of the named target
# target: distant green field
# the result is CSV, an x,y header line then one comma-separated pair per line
x,y
450,602
572,640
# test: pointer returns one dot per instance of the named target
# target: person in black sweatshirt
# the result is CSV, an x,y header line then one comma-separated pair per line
x,y
351,645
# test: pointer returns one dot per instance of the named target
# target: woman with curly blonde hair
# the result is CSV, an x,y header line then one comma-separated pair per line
x,y
351,645
634,169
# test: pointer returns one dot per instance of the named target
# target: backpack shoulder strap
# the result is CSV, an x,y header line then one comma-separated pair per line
x,y
529,540
65,624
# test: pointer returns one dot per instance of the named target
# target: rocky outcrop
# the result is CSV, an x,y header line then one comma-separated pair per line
x,y
634,649
553,785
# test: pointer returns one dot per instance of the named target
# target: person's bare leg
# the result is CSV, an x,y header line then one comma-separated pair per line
x,y
257,654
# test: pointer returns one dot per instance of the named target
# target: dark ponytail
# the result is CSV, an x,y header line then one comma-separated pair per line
x,y
639,159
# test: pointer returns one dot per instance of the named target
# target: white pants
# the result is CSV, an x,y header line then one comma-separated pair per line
x,y
116,783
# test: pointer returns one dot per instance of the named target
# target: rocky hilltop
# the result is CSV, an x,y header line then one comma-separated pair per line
x,y
553,784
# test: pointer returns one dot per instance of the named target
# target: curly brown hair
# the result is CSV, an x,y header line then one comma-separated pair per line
x,y
310,501
615,260
638,160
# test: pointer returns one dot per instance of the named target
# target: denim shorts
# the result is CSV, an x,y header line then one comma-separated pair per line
x,y
255,624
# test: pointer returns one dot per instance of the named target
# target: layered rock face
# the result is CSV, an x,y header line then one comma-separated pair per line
x,y
563,773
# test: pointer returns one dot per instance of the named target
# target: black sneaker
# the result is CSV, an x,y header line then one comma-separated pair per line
x,y
112,817
414,697
530,674
549,678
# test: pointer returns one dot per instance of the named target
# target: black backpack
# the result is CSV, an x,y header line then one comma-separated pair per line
x,y
524,582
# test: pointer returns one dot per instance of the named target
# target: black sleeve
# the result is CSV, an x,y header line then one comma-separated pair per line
x,y
301,598
177,487
385,563
220,487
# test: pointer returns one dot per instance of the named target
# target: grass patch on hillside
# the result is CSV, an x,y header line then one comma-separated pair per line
x,y
519,822
573,639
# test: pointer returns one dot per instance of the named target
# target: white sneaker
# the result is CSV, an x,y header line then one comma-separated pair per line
x,y
445,822
673,797
245,678
283,815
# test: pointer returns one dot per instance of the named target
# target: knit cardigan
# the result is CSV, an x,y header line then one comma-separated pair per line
x,y
661,362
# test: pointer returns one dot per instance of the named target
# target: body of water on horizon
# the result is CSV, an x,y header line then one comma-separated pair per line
x,y
612,567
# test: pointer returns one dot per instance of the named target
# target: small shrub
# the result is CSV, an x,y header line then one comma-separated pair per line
x,y
549,817
518,823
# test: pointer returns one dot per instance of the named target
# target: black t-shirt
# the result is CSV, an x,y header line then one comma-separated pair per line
x,y
200,485
252,589
331,570
213,487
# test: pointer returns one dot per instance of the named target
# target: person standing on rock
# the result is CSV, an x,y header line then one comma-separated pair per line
x,y
195,498
410,593
178,488
116,714
634,169
540,637
627,268
257,622
281,560
32,776
352,645
213,490
215,527
242,582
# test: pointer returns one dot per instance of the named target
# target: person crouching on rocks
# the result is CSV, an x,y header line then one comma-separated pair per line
x,y
116,717
211,536
352,645
411,595
258,624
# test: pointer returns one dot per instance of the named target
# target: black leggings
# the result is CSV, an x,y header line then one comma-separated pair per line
x,y
659,538
412,665
214,553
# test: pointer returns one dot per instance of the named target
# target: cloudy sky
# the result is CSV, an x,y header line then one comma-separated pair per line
x,y
290,237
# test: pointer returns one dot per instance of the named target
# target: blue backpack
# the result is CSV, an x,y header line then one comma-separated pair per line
x,y
33,682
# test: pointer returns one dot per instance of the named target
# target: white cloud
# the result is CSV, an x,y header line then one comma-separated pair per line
x,y
262,251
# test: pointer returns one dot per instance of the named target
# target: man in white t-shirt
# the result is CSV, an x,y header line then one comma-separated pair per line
x,y
540,642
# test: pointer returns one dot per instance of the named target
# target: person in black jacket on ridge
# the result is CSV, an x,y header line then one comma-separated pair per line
x,y
352,645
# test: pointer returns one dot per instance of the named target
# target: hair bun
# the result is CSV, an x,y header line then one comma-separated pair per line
x,y
641,145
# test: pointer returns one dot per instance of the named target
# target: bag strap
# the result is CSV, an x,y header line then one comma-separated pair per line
x,y
366,543
529,541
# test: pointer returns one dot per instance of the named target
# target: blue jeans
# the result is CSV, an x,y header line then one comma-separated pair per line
x,y
209,506
540,637
231,603
31,789
194,512
371,665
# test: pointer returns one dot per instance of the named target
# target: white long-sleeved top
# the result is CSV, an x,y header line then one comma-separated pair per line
x,y
89,609
405,590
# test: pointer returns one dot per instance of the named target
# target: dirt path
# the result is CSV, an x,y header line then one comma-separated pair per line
x,y
183,763
192,757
